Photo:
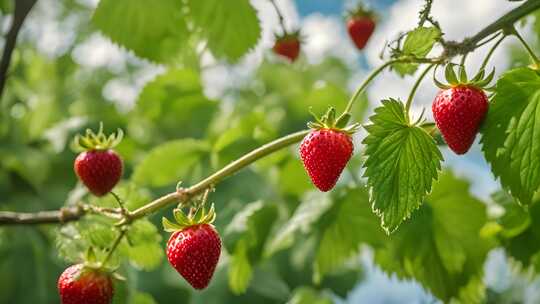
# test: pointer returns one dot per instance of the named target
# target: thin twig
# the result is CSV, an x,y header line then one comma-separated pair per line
x,y
502,23
280,16
425,15
22,8
123,231
63,215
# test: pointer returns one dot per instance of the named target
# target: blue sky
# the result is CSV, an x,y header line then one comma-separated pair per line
x,y
333,7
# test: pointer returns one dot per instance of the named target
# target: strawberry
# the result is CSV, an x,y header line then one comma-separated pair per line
x,y
81,285
98,166
459,108
194,247
288,45
360,25
326,150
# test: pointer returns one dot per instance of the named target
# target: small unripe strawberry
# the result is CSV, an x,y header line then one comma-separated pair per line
x,y
98,166
288,45
360,26
194,247
459,108
81,285
326,150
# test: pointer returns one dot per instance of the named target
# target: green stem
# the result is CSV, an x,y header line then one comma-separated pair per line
x,y
228,170
508,19
118,200
527,47
491,51
489,39
364,84
415,87
280,16
117,241
463,59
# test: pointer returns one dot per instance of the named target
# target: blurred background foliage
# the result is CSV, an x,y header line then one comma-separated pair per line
x,y
283,241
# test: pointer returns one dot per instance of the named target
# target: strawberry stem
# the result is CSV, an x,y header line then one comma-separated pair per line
x,y
280,17
119,201
123,231
415,87
527,47
491,51
366,82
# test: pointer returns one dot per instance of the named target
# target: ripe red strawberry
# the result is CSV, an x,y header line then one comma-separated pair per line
x,y
459,109
194,247
99,170
458,113
326,150
360,30
288,46
98,167
360,25
81,285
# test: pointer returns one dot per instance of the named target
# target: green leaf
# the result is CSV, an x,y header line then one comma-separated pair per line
x,y
142,298
174,105
402,162
144,248
230,30
169,162
313,206
520,230
240,271
308,295
245,237
248,127
440,246
536,25
515,219
74,239
511,133
418,43
404,69
29,163
293,179
155,32
266,282
348,224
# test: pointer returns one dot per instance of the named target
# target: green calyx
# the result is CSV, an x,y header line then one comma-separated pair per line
x,y
329,121
359,12
92,265
480,80
295,35
96,141
199,217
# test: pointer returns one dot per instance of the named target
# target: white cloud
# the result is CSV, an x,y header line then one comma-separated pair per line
x,y
53,37
325,35
219,76
478,14
123,91
98,51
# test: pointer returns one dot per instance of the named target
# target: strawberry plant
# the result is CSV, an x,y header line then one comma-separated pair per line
x,y
213,190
